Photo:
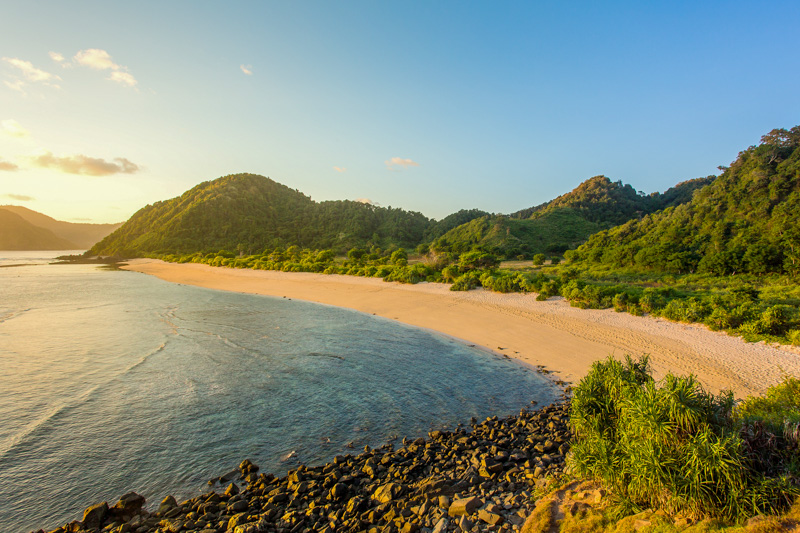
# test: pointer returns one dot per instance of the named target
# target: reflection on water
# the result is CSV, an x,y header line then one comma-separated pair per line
x,y
116,381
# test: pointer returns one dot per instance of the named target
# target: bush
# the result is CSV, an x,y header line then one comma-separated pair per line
x,y
668,445
466,282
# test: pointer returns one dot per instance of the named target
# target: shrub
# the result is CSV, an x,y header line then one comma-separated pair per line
x,y
466,282
668,445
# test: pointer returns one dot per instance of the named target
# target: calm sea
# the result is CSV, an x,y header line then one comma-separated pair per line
x,y
114,381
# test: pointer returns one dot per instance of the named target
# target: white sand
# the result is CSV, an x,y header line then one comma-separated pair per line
x,y
563,339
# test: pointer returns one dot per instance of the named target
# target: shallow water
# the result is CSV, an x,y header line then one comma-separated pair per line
x,y
117,381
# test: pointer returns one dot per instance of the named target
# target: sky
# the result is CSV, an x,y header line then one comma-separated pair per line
x,y
106,107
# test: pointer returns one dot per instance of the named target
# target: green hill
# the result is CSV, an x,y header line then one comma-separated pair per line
x,y
18,234
82,234
563,223
249,213
747,220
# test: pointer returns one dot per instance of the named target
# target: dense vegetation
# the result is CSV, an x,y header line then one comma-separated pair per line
x,y
747,220
608,203
561,224
670,445
249,213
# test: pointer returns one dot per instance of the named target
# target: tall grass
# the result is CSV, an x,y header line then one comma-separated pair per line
x,y
670,445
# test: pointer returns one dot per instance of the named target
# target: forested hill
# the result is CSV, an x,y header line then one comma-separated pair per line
x,y
563,223
747,220
610,203
248,213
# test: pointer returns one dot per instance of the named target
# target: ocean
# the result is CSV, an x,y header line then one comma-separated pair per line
x,y
115,381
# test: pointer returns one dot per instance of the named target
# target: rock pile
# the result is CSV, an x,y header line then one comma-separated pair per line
x,y
471,479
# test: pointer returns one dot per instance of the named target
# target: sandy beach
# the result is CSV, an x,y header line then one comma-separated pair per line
x,y
562,339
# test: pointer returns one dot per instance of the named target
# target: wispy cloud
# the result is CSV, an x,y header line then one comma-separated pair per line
x,y
55,56
340,169
84,165
98,59
8,166
17,85
247,69
28,74
12,128
396,163
19,197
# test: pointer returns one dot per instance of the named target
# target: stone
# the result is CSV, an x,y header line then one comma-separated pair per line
x,y
338,492
489,517
231,490
247,467
237,520
93,516
224,478
238,507
464,523
409,527
464,506
166,505
128,506
388,492
441,525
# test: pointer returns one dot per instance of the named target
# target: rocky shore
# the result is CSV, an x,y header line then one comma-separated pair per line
x,y
476,478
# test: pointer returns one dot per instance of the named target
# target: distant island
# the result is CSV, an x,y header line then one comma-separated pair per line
x,y
24,229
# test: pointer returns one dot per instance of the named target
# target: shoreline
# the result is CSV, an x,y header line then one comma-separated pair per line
x,y
547,335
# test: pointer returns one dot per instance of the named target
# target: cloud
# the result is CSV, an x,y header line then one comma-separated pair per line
x,y
8,166
12,128
125,78
340,169
30,72
84,165
97,59
395,162
15,86
365,201
55,56
247,69
19,197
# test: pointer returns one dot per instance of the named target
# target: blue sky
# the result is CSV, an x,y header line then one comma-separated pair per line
x,y
429,106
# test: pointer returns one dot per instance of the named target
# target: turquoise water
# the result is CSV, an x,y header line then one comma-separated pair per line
x,y
114,381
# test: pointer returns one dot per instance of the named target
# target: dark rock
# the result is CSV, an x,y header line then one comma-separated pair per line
x,y
388,492
94,516
166,505
232,490
129,504
464,506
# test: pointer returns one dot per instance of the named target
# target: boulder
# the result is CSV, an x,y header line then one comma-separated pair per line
x,y
464,506
166,505
128,506
388,492
93,516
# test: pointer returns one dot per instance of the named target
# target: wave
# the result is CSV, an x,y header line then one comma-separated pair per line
x,y
58,412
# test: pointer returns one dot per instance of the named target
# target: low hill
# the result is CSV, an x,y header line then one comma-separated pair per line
x,y
747,220
440,227
17,233
250,213
563,223
82,235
